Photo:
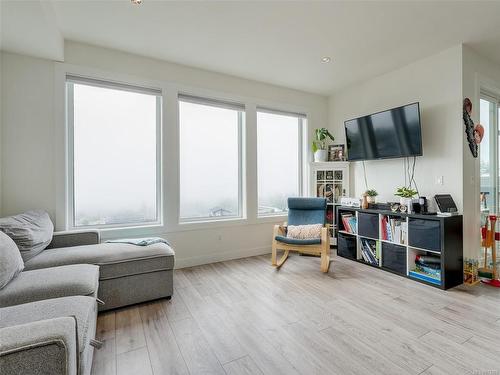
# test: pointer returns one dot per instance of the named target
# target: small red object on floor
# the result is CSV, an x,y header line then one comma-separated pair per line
x,y
494,282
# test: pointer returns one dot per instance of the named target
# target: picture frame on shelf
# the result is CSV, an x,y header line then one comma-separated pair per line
x,y
336,152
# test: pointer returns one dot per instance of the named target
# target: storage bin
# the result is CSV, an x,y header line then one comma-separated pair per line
x,y
346,246
424,234
368,225
394,258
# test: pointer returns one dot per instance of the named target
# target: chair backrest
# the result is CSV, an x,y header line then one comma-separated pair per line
x,y
306,211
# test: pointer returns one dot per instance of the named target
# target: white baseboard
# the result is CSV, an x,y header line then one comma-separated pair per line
x,y
220,257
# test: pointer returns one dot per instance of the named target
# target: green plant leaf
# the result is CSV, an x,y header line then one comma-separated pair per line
x,y
314,147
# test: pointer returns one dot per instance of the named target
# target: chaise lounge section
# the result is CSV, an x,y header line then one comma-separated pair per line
x,y
129,273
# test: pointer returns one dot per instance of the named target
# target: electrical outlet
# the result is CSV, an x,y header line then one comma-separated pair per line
x,y
440,180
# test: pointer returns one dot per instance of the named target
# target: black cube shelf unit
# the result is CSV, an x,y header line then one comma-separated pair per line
x,y
424,235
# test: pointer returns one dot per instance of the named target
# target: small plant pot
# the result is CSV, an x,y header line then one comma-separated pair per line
x,y
371,200
407,202
321,156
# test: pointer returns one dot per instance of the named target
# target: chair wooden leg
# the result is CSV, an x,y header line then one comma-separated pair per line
x,y
325,249
283,258
273,254
325,257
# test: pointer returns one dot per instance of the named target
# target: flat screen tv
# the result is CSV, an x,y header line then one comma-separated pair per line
x,y
394,133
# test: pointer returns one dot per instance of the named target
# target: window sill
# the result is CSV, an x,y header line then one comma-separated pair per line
x,y
132,231
278,218
206,224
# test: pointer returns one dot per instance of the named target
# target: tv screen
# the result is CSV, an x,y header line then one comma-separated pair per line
x,y
389,134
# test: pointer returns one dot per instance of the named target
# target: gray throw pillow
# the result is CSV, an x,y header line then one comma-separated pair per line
x,y
31,231
11,262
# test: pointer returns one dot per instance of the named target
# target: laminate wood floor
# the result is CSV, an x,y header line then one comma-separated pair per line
x,y
245,317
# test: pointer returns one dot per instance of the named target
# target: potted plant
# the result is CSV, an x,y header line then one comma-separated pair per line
x,y
319,144
405,194
371,195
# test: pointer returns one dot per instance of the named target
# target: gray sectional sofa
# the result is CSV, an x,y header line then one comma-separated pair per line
x,y
48,312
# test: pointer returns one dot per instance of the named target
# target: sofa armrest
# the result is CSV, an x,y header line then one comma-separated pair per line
x,y
75,238
43,347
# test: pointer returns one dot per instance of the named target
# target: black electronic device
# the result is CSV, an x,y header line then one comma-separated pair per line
x,y
393,133
446,204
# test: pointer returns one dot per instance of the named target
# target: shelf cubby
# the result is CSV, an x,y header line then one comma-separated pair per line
x,y
430,273
369,251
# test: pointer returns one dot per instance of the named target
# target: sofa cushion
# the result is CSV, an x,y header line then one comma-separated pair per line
x,y
11,262
36,285
114,259
84,309
31,231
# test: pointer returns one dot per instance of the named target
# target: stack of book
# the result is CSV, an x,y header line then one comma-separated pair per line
x,y
427,268
370,251
350,223
394,229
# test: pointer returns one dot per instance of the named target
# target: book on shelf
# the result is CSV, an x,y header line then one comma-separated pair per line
x,y
369,251
350,223
394,230
422,276
427,267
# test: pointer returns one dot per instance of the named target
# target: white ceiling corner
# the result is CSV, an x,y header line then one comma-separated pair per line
x,y
30,27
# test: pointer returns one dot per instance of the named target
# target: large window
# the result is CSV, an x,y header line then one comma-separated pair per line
x,y
210,159
114,153
279,159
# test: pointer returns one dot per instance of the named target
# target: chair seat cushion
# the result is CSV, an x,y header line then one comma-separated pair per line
x,y
296,241
84,309
114,259
36,285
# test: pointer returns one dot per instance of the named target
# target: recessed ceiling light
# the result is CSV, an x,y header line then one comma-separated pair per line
x,y
326,59
136,2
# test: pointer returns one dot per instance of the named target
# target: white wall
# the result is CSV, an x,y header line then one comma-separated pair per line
x,y
1,122
32,163
27,150
477,73
435,82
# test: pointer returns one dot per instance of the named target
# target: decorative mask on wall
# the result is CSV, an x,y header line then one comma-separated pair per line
x,y
474,133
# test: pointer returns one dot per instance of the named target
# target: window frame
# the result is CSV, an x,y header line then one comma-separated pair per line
x,y
302,135
494,134
69,81
242,198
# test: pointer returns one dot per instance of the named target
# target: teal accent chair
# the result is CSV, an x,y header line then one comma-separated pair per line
x,y
303,211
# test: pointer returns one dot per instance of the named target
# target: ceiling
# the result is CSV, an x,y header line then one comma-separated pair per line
x,y
276,42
